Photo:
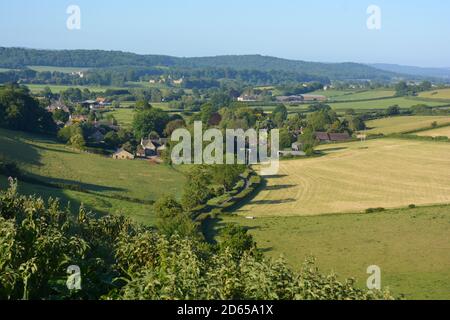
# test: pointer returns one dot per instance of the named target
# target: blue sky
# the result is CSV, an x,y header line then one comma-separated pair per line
x,y
413,32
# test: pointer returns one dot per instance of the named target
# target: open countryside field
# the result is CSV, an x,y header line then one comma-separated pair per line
x,y
404,124
411,246
346,95
49,161
402,102
439,132
436,94
352,177
124,116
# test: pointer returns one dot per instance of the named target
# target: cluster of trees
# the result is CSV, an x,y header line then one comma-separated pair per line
x,y
403,89
20,111
118,259
296,89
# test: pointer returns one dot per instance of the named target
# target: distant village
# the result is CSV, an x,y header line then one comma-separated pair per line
x,y
150,149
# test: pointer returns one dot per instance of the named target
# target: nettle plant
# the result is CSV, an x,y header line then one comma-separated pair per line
x,y
121,260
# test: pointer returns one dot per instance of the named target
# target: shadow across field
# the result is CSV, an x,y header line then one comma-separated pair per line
x,y
280,187
266,202
70,184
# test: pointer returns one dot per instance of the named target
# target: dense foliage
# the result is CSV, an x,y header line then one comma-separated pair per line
x,y
120,260
114,67
20,111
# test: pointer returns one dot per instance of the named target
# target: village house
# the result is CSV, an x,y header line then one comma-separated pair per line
x,y
151,148
77,118
122,154
178,82
247,98
301,98
57,105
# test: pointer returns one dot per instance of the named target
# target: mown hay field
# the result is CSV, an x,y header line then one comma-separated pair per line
x,y
436,94
353,177
404,124
439,132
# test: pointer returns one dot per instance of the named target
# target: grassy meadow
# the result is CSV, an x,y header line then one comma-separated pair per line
x,y
404,124
347,95
124,116
402,102
48,161
411,246
355,176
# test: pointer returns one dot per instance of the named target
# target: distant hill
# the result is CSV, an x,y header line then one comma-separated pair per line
x,y
21,57
337,71
414,71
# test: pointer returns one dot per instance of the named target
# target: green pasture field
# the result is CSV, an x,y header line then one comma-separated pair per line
x,y
347,95
411,246
404,124
402,102
49,161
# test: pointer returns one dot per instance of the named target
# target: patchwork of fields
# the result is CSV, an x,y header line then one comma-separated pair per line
x,y
353,177
404,124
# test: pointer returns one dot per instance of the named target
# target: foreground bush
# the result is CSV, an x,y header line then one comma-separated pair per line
x,y
121,260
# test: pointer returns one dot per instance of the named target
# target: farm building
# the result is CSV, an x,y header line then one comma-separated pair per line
x,y
122,154
325,137
301,98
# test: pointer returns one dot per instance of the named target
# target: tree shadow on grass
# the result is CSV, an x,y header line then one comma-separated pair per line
x,y
280,187
55,150
65,201
13,148
71,184
265,202
334,149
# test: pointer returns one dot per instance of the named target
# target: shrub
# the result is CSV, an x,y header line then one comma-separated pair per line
x,y
375,210
9,168
39,240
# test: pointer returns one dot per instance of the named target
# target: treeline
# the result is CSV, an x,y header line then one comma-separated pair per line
x,y
192,78
20,111
121,260
252,68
